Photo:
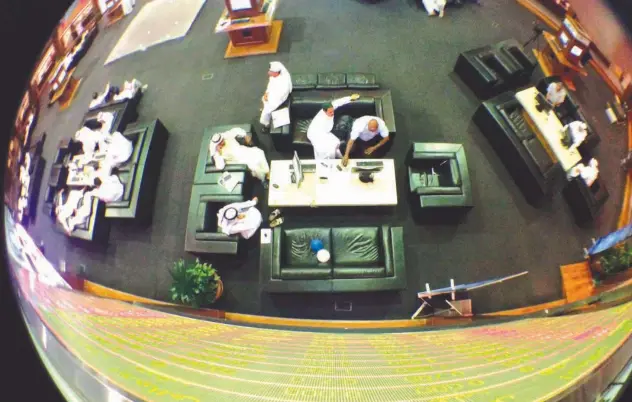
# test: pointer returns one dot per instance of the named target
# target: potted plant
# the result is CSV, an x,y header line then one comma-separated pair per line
x,y
195,284
613,261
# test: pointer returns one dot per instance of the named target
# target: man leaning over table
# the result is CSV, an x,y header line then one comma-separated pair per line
x,y
369,133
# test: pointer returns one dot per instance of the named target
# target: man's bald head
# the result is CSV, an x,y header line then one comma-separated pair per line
x,y
373,125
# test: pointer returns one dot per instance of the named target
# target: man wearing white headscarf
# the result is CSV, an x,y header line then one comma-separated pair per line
x,y
130,89
326,144
106,119
117,148
278,89
577,130
89,139
240,218
588,173
224,148
434,7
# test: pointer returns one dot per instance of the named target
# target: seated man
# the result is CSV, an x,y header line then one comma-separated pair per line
x,y
117,148
107,187
225,148
240,218
365,132
70,214
556,93
576,132
278,89
105,119
326,144
129,90
89,139
434,7
104,97
588,173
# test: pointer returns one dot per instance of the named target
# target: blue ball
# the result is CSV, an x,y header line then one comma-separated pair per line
x,y
317,245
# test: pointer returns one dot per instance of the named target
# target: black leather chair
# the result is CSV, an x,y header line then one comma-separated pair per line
x,y
307,81
305,105
536,174
438,176
585,202
570,111
141,173
205,171
203,235
363,259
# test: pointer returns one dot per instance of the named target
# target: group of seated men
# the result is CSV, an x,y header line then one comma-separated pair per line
x,y
101,153
573,134
367,136
115,94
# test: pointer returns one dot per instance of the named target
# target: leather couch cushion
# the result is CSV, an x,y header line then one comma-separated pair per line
x,y
359,272
85,224
332,81
356,246
362,81
519,124
207,217
309,272
492,61
127,178
297,247
305,108
438,190
304,81
361,107
342,127
454,170
300,131
538,154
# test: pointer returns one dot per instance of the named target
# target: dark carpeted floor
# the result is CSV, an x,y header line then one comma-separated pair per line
x,y
413,55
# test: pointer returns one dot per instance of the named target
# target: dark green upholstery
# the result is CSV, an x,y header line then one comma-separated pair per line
x,y
438,176
140,174
362,259
307,81
332,81
95,229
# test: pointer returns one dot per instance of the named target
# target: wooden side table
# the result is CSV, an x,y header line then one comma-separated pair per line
x,y
554,62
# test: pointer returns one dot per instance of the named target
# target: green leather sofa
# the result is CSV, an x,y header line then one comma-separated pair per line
x,y
438,176
363,259
140,174
95,229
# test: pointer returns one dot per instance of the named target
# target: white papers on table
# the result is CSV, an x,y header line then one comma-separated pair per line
x,y
281,117
228,181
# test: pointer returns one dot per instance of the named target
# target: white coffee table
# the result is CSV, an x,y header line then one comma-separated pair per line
x,y
341,189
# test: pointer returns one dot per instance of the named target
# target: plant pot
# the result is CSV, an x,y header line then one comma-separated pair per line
x,y
596,267
220,289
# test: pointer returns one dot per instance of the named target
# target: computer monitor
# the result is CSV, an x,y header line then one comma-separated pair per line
x,y
240,5
297,173
564,39
577,51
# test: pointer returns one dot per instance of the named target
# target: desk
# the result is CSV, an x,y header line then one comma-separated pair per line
x,y
343,188
553,62
66,90
83,176
549,129
251,36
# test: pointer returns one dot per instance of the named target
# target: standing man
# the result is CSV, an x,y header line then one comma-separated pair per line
x,y
278,89
370,132
225,148
326,144
240,218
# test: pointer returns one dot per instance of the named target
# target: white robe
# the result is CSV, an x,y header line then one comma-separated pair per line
x,y
88,139
100,98
578,135
247,226
69,214
433,6
117,148
588,173
553,95
279,88
234,152
130,89
106,118
326,145
110,190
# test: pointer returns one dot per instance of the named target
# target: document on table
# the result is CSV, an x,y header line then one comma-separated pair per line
x,y
228,181
281,117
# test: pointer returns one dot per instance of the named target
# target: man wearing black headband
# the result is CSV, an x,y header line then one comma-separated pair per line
x,y
326,144
224,148
240,218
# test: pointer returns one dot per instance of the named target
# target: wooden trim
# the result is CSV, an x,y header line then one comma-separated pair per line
x,y
102,291
527,310
542,13
577,281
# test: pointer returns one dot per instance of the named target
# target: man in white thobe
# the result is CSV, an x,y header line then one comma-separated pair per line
x,y
70,214
89,140
326,144
556,93
588,173
108,187
278,89
434,7
370,133
106,119
224,148
130,89
577,130
99,99
117,148
240,218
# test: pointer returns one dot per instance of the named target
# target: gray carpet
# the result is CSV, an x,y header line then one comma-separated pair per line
x,y
413,55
